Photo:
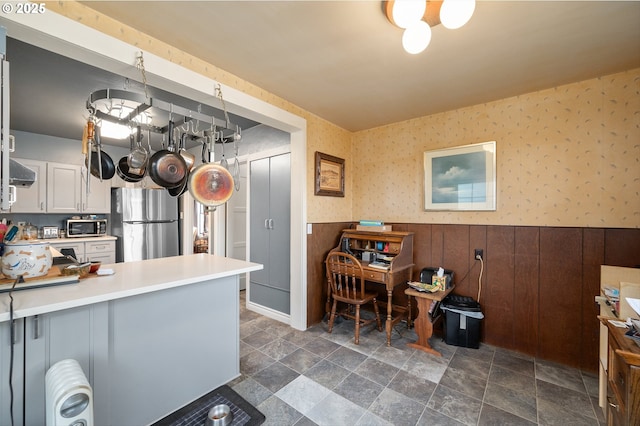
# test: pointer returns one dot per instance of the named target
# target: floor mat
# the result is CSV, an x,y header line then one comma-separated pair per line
x,y
195,413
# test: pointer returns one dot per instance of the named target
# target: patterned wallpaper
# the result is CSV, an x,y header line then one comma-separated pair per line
x,y
567,156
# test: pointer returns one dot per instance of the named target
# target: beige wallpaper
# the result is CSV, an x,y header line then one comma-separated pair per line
x,y
568,156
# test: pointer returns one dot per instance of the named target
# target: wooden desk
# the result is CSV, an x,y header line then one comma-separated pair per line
x,y
423,325
396,245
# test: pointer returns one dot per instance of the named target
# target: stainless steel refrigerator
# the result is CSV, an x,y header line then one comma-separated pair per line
x,y
145,222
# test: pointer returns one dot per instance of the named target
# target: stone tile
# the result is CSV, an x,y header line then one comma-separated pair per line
x,y
247,329
550,413
413,387
483,353
278,413
396,408
335,410
278,329
266,322
359,390
431,418
347,358
447,351
370,419
300,360
512,380
254,362
514,363
368,344
278,349
247,315
391,355
473,366
377,371
464,381
258,339
321,347
275,377
492,416
573,401
560,375
252,391
299,338
518,402
591,383
245,349
302,394
455,405
327,373
305,421
426,366
598,410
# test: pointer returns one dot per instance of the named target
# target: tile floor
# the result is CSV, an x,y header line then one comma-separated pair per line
x,y
313,377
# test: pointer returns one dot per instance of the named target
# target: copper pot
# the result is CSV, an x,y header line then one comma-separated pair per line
x,y
211,184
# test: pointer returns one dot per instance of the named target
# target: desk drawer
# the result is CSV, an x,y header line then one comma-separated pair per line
x,y
375,276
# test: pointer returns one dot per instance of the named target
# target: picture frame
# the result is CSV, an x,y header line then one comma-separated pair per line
x,y
461,178
329,176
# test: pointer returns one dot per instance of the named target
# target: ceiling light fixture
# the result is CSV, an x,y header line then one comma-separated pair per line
x,y
417,17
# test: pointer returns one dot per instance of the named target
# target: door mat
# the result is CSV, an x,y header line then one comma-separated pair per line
x,y
195,413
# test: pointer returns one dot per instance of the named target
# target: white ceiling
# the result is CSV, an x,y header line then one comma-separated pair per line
x,y
343,61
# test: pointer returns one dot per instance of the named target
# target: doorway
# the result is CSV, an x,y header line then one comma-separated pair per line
x,y
78,41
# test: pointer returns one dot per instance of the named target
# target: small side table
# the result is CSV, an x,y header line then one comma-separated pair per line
x,y
423,325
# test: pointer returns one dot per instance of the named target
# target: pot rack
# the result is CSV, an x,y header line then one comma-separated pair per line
x,y
195,123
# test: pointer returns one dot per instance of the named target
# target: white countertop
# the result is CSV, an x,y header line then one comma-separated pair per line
x,y
130,279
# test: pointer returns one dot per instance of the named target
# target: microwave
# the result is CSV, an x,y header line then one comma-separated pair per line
x,y
86,228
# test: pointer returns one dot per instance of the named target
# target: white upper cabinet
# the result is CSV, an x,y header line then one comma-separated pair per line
x,y
32,199
61,188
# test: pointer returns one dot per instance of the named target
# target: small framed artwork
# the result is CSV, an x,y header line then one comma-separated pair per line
x,y
329,175
461,178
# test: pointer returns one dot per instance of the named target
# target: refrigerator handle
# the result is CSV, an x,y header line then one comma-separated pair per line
x,y
270,223
266,223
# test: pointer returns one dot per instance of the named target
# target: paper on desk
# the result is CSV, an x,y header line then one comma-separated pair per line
x,y
634,303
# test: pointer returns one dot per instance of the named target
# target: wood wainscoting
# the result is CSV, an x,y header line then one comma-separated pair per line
x,y
538,284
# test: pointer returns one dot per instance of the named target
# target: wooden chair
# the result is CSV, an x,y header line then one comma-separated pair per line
x,y
346,283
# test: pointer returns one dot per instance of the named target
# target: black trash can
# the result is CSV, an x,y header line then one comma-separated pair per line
x,y
462,316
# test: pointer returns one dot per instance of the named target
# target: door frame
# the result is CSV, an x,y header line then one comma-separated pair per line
x,y
73,39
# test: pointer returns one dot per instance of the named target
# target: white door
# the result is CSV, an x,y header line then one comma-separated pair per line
x,y
236,240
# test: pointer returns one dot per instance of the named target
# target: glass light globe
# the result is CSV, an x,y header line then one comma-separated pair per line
x,y
406,12
416,38
455,13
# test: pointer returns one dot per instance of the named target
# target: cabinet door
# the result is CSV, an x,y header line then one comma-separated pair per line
x,y
63,188
32,199
259,216
99,198
270,232
50,338
6,347
104,252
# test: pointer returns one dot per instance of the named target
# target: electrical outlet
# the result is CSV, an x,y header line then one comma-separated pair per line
x,y
479,254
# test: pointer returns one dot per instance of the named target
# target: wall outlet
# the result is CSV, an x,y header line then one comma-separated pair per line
x,y
479,254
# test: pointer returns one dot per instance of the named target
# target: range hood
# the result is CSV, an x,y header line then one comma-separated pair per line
x,y
20,175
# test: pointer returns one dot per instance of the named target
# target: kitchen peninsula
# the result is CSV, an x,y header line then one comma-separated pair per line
x,y
150,338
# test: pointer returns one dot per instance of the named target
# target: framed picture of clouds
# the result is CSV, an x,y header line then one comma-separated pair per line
x,y
461,178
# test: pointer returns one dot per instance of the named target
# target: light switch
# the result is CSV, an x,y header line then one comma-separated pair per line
x,y
309,228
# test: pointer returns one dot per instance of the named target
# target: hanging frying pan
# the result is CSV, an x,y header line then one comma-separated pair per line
x,y
211,184
102,165
165,167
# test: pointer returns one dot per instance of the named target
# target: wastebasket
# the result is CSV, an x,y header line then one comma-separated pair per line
x,y
462,321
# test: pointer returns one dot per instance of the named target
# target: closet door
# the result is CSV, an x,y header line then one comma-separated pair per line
x,y
270,232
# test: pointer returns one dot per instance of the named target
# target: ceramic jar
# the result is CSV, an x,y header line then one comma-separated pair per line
x,y
29,258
